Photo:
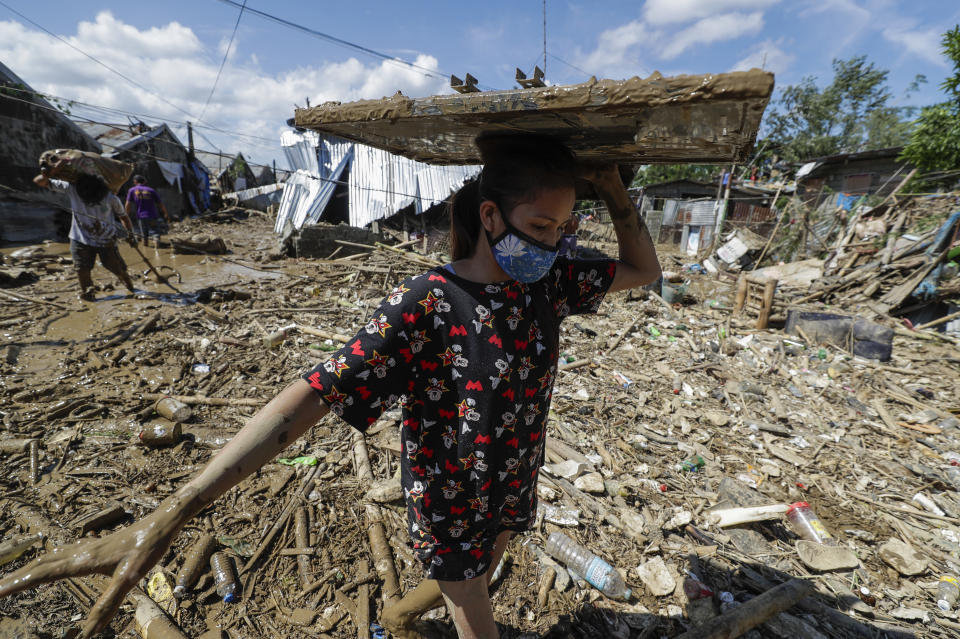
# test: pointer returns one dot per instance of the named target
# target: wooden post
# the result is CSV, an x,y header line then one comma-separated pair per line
x,y
752,613
741,299
776,227
302,531
763,317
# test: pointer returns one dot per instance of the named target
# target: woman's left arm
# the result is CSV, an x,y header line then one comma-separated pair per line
x,y
638,264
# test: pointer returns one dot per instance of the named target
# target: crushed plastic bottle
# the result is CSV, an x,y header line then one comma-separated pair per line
x,y
595,570
276,338
948,590
197,557
13,548
691,465
807,525
225,576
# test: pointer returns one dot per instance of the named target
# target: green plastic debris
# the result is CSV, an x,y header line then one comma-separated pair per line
x,y
239,546
654,331
305,460
692,465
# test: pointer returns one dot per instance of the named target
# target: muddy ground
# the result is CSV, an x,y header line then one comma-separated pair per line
x,y
775,420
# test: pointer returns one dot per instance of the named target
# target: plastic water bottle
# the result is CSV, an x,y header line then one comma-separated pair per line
x,y
947,593
595,570
197,557
225,576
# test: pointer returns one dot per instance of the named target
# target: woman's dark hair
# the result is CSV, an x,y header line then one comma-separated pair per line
x,y
516,169
91,189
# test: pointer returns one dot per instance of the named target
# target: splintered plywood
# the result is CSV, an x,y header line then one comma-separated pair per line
x,y
687,118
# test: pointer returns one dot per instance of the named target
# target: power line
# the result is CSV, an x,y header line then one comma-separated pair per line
x,y
226,54
340,41
116,111
84,53
572,66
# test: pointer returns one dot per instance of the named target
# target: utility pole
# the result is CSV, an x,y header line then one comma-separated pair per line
x,y
722,214
190,139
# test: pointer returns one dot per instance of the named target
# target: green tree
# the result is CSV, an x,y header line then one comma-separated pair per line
x,y
935,142
848,115
657,173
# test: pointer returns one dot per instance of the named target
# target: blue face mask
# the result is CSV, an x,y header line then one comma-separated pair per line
x,y
519,255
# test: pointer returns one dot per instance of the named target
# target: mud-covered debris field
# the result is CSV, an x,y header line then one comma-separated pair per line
x,y
664,417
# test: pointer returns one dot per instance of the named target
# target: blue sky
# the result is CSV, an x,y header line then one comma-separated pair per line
x,y
174,48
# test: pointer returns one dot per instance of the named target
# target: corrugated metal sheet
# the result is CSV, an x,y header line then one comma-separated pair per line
x,y
301,150
380,183
698,213
305,196
670,212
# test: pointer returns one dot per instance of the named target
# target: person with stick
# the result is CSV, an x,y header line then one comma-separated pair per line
x,y
94,228
469,349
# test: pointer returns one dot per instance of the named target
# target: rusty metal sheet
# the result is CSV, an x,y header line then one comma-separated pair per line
x,y
687,118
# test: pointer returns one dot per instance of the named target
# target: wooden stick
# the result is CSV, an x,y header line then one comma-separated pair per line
x,y
281,520
376,534
937,322
150,619
620,337
337,337
302,532
763,318
131,332
220,317
209,401
742,287
663,303
20,297
752,613
773,233
577,364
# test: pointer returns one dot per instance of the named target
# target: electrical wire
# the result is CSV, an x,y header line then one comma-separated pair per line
x,y
87,55
226,54
341,42
116,111
572,66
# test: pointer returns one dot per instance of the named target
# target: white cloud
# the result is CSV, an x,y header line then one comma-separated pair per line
x,y
923,44
713,29
660,12
618,50
768,56
172,62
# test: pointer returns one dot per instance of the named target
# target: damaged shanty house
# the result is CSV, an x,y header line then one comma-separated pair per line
x,y
158,155
30,126
228,173
841,180
686,212
337,181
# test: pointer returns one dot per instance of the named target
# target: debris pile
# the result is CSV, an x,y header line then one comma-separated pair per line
x,y
735,478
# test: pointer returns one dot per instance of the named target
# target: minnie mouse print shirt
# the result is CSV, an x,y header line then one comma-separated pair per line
x,y
473,366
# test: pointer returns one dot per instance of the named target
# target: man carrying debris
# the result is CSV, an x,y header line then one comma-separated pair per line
x,y
146,200
470,350
94,228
